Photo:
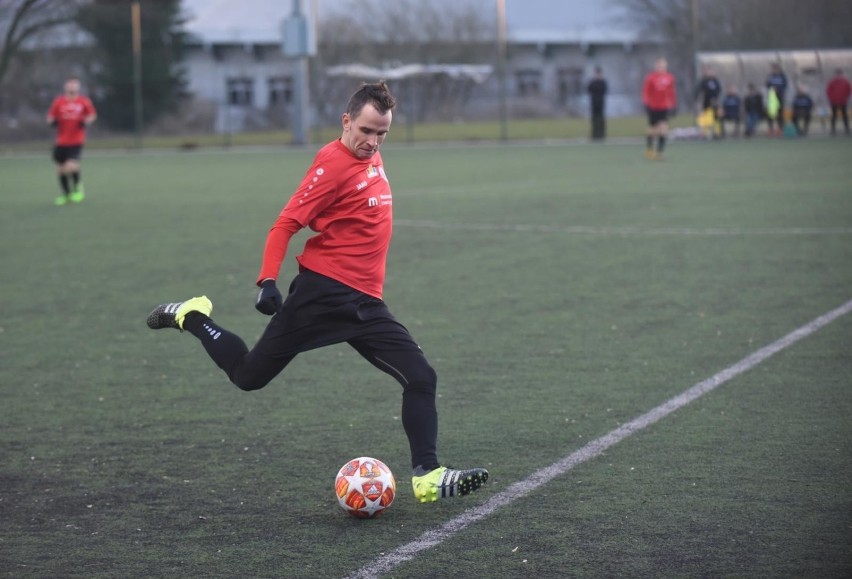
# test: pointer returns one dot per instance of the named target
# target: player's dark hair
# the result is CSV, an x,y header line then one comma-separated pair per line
x,y
376,93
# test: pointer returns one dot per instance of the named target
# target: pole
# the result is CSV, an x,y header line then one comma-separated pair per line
x,y
501,68
696,45
301,87
136,24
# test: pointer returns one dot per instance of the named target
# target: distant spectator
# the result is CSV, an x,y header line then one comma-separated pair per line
x,y
731,110
838,91
709,89
754,110
777,81
597,90
803,106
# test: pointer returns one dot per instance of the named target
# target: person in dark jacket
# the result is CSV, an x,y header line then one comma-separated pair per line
x,y
731,110
754,109
709,89
777,81
597,89
803,105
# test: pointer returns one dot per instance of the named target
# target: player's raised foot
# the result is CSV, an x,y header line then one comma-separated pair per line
x,y
77,194
650,154
61,200
443,483
172,315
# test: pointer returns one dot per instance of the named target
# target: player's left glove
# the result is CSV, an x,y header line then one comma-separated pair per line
x,y
269,299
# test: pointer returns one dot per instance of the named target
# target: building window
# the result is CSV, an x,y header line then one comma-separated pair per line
x,y
240,91
570,85
280,90
528,82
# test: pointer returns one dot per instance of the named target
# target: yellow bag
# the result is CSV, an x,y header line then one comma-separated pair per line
x,y
706,119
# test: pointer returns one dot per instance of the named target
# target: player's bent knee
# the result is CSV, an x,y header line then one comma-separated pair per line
x,y
249,387
425,383
249,383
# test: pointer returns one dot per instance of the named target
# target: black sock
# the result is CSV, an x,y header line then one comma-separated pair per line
x,y
420,422
661,144
75,176
224,347
63,180
649,142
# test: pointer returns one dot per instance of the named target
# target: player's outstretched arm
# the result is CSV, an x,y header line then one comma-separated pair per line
x,y
269,299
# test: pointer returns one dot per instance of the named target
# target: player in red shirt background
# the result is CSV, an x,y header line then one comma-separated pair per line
x,y
659,97
336,297
70,113
838,91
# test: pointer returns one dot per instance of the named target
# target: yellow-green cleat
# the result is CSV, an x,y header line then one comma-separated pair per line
x,y
172,315
61,200
77,194
443,483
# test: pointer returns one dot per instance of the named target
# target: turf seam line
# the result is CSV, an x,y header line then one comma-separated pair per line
x,y
626,231
593,449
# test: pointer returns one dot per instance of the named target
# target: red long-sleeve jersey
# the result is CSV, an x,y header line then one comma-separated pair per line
x,y
658,91
69,114
348,202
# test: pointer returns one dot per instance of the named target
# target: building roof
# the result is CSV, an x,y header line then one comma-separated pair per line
x,y
527,21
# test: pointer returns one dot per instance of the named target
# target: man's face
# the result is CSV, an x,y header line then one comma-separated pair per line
x,y
72,88
364,134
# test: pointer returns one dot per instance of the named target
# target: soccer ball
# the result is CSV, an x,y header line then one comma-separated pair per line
x,y
365,487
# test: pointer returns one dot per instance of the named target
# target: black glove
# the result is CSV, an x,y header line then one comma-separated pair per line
x,y
82,124
269,299
54,123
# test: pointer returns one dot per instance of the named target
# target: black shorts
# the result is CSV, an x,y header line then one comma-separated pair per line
x,y
657,116
63,153
320,311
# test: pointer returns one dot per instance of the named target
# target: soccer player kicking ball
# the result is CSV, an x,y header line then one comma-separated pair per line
x,y
70,113
658,95
337,295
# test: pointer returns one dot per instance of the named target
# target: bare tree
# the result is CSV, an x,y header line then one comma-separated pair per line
x,y
23,19
686,26
774,24
738,25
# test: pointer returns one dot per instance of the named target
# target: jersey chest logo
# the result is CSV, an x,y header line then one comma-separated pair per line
x,y
374,171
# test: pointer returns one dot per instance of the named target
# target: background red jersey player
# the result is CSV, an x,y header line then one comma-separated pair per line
x,y
70,113
659,97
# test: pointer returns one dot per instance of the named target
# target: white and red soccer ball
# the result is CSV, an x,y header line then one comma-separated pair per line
x,y
365,487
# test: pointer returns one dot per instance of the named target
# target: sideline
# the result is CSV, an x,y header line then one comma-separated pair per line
x,y
625,231
592,450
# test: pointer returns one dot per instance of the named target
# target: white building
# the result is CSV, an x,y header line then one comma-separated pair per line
x,y
235,57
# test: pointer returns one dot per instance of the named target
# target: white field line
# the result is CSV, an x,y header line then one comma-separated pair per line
x,y
522,488
625,231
